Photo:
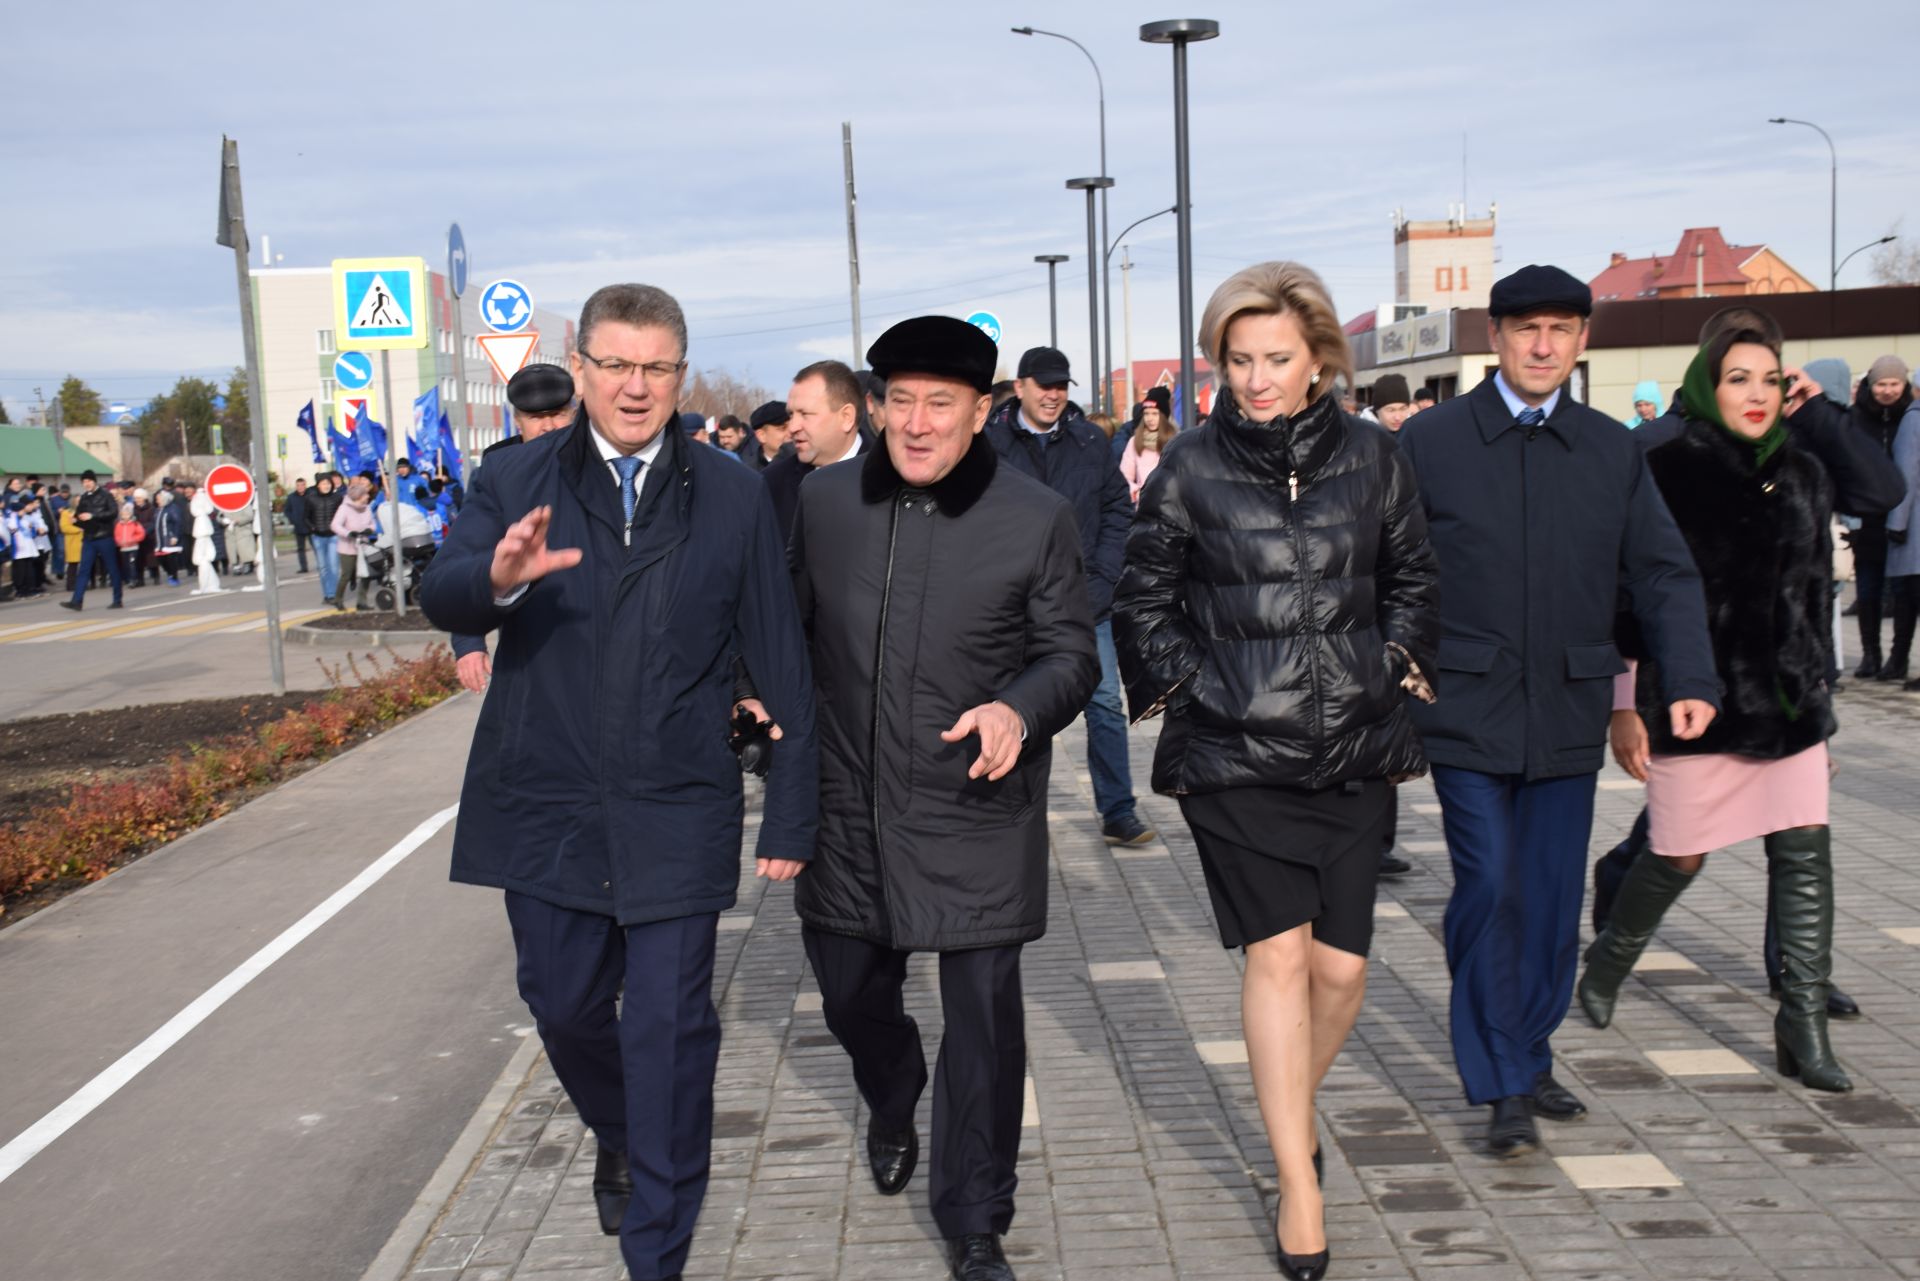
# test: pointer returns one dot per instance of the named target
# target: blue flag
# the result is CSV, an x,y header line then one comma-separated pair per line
x,y
372,439
313,436
346,453
449,448
424,439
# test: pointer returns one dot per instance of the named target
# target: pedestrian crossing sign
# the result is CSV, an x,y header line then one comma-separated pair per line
x,y
380,303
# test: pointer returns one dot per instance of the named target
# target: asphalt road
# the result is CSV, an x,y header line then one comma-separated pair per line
x,y
166,645
285,1135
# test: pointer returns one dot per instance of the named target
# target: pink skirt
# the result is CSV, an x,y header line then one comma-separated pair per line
x,y
1697,804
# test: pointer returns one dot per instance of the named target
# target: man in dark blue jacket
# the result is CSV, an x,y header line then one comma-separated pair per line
x,y
1043,434
1544,518
622,564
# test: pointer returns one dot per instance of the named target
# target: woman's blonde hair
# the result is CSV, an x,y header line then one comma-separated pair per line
x,y
1104,421
1278,288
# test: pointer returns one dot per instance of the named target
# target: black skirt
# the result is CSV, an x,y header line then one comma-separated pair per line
x,y
1276,858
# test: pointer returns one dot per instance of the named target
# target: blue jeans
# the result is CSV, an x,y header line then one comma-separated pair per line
x,y
326,554
93,549
1513,923
1107,763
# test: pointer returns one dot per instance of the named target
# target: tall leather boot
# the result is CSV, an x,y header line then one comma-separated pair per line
x,y
1901,595
1869,616
1839,1004
1800,886
1648,890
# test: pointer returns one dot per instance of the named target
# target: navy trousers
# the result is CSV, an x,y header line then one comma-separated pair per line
x,y
979,1083
641,1078
103,551
1519,854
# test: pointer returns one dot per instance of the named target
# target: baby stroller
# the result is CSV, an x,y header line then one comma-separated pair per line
x,y
416,553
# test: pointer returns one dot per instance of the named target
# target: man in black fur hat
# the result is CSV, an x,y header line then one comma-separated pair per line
x,y
952,638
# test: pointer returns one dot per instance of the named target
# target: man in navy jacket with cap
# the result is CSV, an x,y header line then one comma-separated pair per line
x,y
1545,520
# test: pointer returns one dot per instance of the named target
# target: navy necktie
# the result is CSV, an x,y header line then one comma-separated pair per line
x,y
628,468
1531,417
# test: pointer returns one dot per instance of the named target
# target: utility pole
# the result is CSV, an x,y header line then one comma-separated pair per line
x,y
1126,322
233,233
853,243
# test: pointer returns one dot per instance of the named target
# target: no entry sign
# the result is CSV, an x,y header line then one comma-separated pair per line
x,y
229,487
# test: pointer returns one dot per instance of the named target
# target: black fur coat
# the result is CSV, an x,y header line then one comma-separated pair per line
x,y
1759,537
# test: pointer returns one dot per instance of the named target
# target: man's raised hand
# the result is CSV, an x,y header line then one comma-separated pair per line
x,y
522,554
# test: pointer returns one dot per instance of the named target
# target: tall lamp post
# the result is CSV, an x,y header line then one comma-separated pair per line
x,y
1100,84
1105,264
1833,198
1091,185
1180,32
1053,262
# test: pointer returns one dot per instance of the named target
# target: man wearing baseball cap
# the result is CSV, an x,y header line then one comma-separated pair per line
x,y
1041,432
1545,521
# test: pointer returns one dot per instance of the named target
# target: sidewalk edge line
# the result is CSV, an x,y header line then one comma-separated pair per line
x,y
437,1195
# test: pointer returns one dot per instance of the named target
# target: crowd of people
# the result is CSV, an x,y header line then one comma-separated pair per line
x,y
909,578
118,535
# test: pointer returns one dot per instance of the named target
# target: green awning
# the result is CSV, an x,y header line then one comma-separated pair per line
x,y
31,451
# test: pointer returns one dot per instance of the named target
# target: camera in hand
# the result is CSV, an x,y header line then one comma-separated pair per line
x,y
751,741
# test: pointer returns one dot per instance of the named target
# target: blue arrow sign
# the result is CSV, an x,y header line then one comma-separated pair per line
x,y
987,323
353,370
456,260
506,306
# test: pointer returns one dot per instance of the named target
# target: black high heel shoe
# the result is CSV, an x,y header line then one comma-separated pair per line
x,y
1304,1267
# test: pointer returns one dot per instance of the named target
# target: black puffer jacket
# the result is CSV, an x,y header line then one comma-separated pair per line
x,y
321,508
1759,536
1268,568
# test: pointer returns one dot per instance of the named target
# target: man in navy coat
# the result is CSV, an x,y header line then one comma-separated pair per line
x,y
624,567
1545,521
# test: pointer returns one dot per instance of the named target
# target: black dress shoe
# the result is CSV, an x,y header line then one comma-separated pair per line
x,y
977,1256
1392,864
892,1154
612,1189
1510,1131
1552,1099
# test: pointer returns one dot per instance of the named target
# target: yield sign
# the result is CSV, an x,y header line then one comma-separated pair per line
x,y
508,352
229,487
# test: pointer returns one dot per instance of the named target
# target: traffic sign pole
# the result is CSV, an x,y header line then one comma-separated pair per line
x,y
394,431
457,266
234,232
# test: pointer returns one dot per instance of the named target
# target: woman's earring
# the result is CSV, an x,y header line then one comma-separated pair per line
x,y
1316,378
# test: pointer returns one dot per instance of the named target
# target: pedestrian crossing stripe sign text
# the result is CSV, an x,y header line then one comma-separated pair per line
x,y
380,303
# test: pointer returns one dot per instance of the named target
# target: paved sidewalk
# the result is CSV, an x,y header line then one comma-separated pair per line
x,y
1143,1156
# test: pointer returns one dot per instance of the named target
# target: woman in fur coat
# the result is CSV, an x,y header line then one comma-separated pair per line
x,y
1754,509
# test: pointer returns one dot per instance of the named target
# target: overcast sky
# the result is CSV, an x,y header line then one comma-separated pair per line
x,y
697,147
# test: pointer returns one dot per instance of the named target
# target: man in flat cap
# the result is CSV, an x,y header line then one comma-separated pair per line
x,y
1546,523
952,638
1041,432
767,427
543,401
618,558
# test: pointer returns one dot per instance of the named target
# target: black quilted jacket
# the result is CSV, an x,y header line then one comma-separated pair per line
x,y
1268,568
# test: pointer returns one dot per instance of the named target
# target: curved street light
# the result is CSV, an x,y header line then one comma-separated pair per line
x,y
1833,197
1871,244
1100,83
1106,268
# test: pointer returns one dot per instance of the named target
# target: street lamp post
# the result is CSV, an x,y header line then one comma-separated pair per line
x,y
1091,185
1833,197
1053,262
1871,244
1180,32
1106,264
1100,84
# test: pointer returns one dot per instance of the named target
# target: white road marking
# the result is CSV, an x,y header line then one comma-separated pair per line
x,y
36,1138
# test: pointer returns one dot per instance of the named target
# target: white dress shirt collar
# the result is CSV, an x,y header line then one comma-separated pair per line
x,y
646,456
1515,404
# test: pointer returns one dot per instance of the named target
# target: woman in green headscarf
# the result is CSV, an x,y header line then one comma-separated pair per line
x,y
1754,509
